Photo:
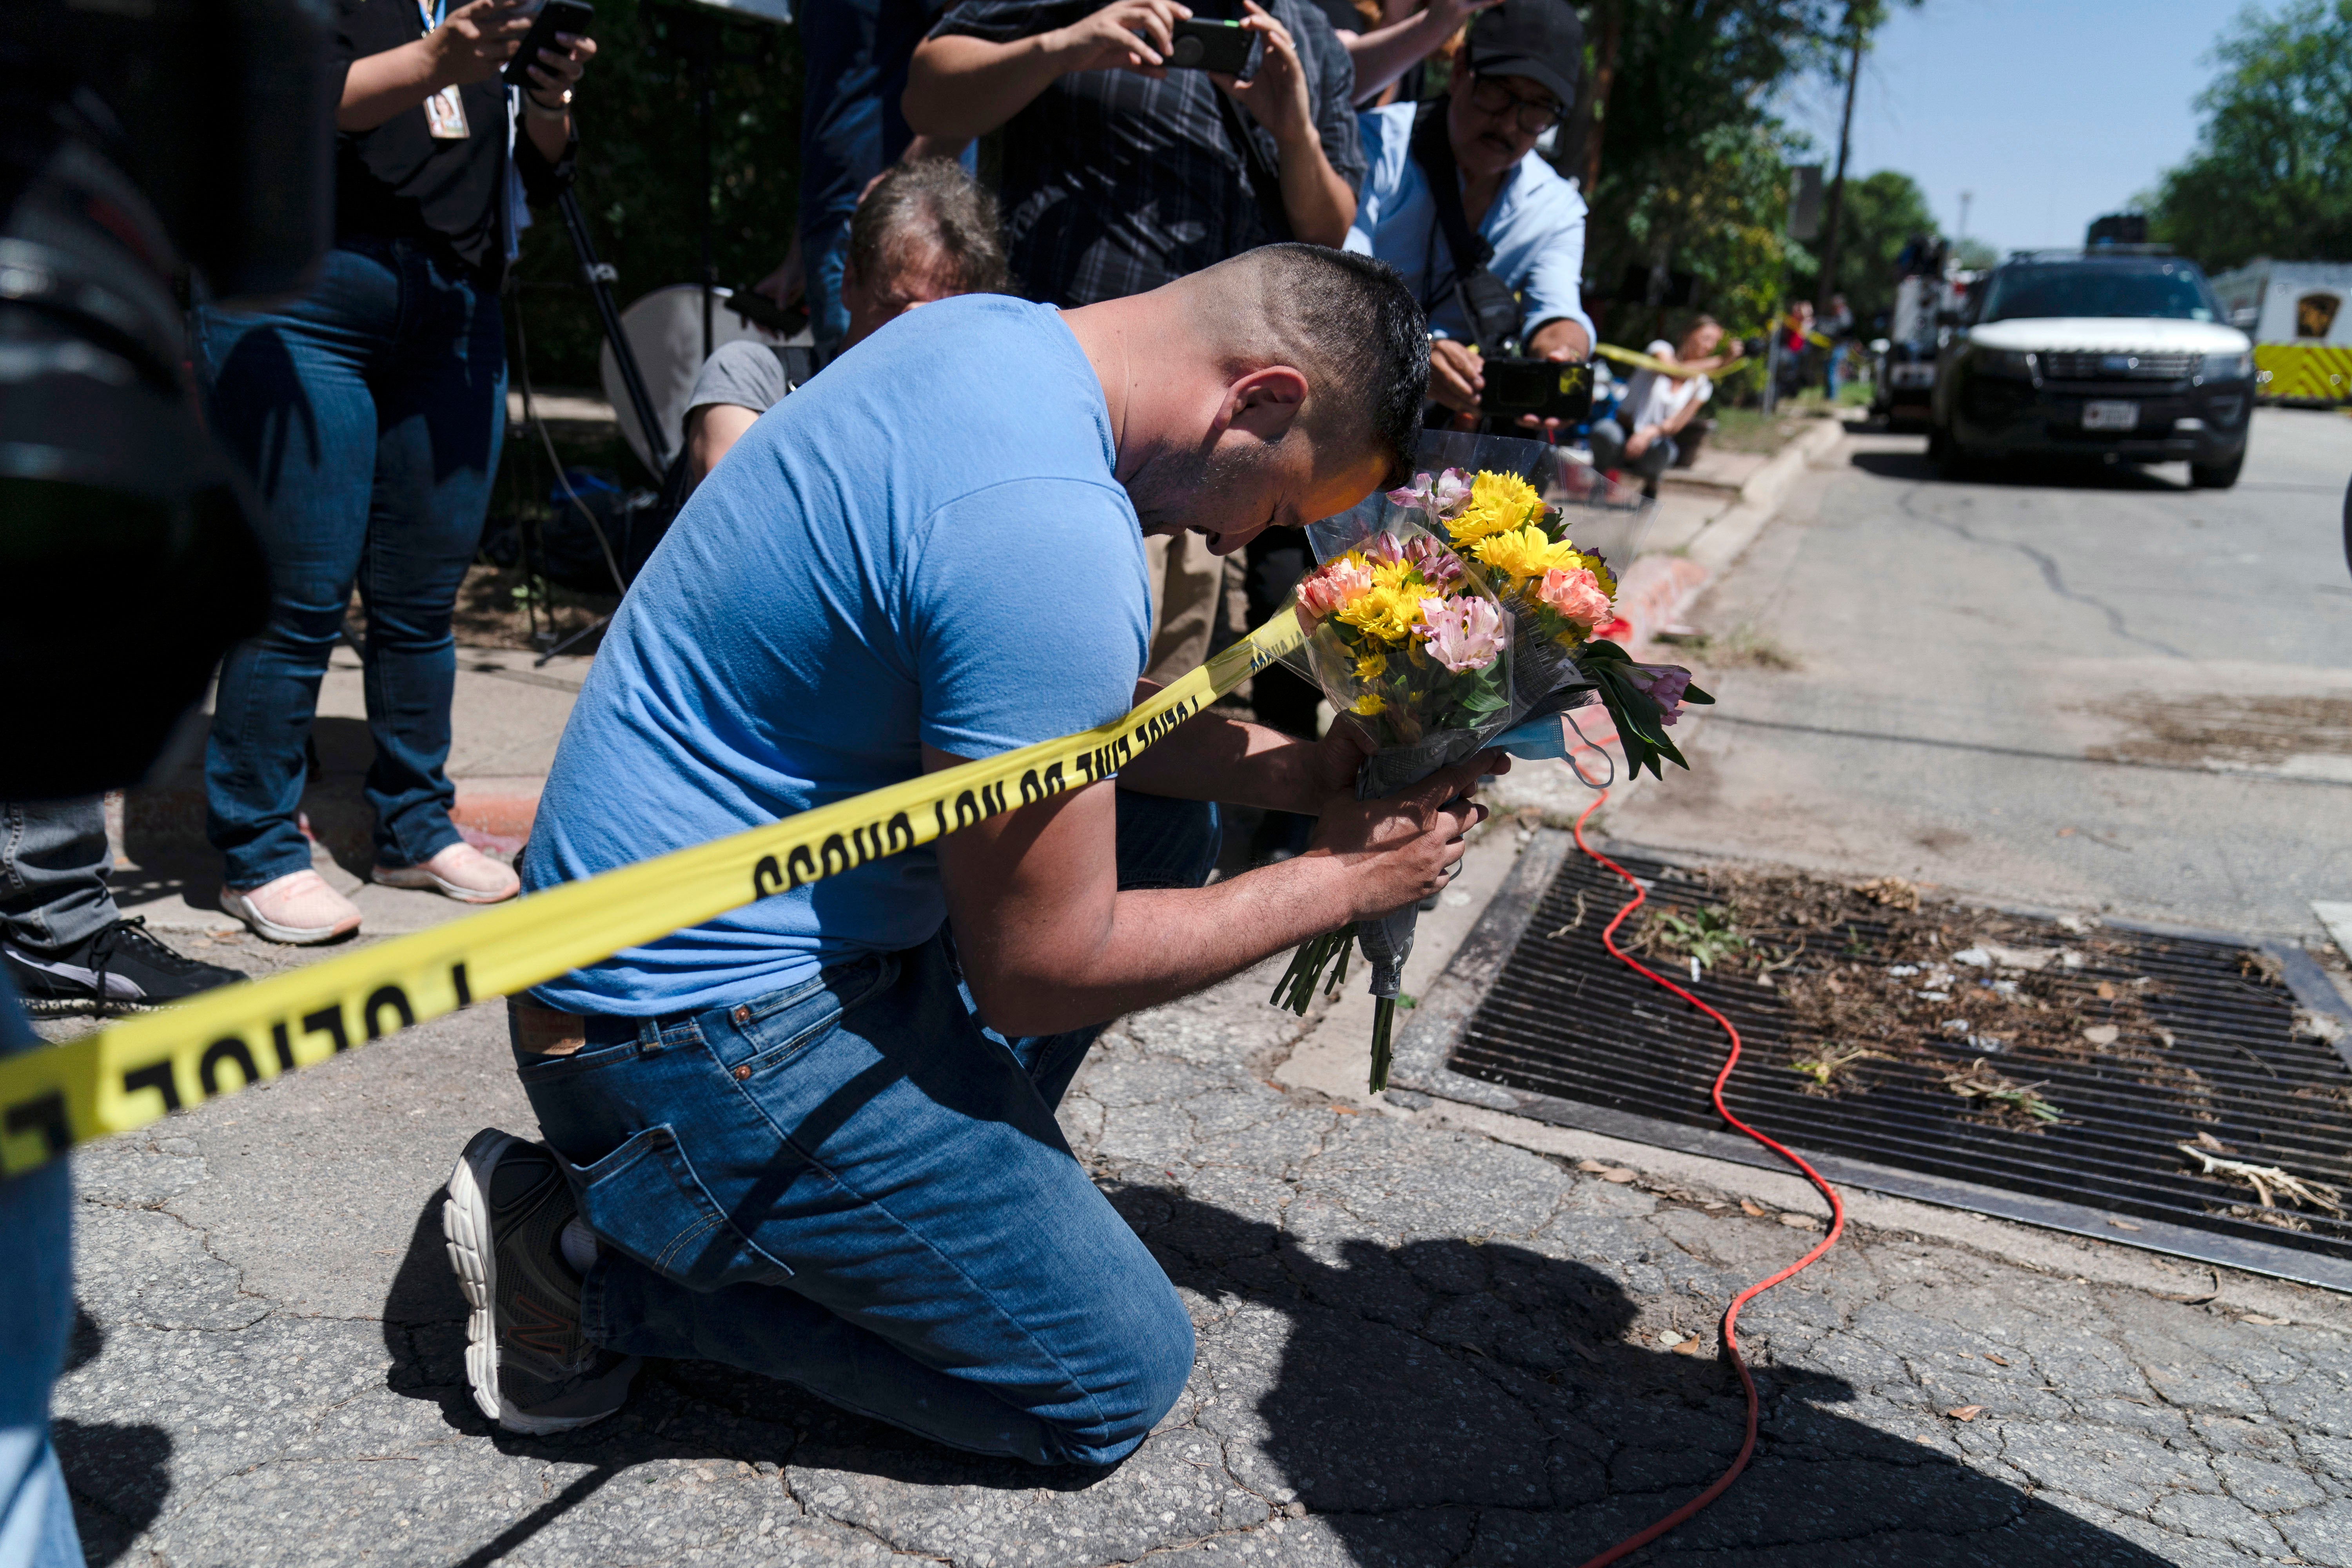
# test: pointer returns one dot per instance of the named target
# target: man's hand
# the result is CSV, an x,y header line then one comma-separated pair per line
x,y
1455,374
557,71
1276,96
1639,441
474,42
1560,341
1402,849
1126,35
1338,758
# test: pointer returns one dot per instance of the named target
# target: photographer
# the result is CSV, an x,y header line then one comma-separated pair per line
x,y
1470,160
1122,173
1659,405
369,412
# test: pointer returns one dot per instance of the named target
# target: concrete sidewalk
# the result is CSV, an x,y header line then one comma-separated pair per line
x,y
506,718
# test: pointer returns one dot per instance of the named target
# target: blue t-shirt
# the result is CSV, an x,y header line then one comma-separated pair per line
x,y
926,543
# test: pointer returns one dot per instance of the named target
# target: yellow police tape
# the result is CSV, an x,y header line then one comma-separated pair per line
x,y
137,1072
1648,362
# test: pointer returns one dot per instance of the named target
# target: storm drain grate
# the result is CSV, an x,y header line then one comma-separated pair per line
x,y
2208,1056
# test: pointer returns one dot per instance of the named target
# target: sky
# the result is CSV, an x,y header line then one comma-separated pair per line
x,y
2051,111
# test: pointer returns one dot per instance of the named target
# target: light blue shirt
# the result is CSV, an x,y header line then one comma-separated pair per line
x,y
1535,224
926,543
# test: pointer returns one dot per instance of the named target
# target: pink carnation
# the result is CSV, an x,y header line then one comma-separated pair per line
x,y
1463,634
1576,595
1666,684
1326,590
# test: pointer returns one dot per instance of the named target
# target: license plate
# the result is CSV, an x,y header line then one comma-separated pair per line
x,y
2111,417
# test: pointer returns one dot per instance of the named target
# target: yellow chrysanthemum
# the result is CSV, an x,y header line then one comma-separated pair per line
x,y
1368,705
1391,574
1525,552
1498,502
1385,612
1371,666
1591,562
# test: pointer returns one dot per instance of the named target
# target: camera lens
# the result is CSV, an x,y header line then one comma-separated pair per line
x,y
1187,51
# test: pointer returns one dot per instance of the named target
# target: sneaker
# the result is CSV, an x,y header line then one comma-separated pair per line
x,y
531,1368
120,968
461,872
298,909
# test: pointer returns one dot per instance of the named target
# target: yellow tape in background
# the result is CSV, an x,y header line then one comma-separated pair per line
x,y
1648,362
137,1072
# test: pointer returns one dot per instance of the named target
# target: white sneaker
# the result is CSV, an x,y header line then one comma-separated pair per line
x,y
299,909
461,872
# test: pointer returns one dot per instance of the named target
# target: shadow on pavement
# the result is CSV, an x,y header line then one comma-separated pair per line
x,y
1441,1401
117,1472
2069,473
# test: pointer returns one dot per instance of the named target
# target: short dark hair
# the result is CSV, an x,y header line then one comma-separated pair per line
x,y
929,208
1359,326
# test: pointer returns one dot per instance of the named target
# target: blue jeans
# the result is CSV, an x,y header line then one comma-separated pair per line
x,y
824,251
855,1186
369,413
37,1521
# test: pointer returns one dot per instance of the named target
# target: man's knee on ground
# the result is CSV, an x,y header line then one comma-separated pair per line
x,y
1134,1389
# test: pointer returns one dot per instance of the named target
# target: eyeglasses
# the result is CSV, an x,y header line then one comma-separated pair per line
x,y
1533,115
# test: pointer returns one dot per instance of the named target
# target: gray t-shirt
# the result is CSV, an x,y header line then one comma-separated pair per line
x,y
745,373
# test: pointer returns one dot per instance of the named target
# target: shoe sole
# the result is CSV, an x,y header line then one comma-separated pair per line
x,y
270,930
473,1254
417,878
77,1006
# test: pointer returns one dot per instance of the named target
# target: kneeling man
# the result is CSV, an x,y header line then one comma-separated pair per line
x,y
815,1138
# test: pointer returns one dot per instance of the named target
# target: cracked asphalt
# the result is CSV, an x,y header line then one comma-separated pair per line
x,y
1418,1345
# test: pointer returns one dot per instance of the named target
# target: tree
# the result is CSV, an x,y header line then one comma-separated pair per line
x,y
1880,216
2272,171
1695,175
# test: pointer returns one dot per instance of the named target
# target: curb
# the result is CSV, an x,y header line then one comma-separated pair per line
x,y
1724,540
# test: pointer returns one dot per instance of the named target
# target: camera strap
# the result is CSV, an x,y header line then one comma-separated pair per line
x,y
1488,306
1265,178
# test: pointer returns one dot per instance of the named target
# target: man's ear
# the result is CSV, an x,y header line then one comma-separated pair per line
x,y
1265,402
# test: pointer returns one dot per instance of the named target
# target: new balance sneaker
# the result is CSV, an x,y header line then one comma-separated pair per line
x,y
119,969
531,1369
461,872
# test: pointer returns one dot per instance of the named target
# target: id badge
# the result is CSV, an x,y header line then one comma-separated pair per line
x,y
444,116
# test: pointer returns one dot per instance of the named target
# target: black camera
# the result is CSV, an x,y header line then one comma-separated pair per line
x,y
1210,46
1547,388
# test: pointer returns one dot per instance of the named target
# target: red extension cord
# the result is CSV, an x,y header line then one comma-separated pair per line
x,y
1731,1315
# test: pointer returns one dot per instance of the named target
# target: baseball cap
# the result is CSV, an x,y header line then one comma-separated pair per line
x,y
1539,39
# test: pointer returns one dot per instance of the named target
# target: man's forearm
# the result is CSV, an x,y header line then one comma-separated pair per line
x,y
1213,757
378,86
960,88
1384,54
1319,203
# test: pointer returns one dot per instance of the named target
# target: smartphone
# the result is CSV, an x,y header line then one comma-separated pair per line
x,y
556,16
1210,46
1547,388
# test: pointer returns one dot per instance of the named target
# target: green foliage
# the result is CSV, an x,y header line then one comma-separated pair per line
x,y
2272,173
641,162
1708,936
1881,215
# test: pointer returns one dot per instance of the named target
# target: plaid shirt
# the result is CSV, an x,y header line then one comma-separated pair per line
x,y
1115,184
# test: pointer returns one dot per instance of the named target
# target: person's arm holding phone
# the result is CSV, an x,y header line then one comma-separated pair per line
x,y
960,87
547,97
472,44
1319,203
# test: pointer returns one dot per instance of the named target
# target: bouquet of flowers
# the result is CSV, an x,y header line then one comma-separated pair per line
x,y
1557,595
1446,636
1406,637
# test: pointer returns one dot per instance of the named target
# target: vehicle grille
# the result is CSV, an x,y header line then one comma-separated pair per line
x,y
2118,367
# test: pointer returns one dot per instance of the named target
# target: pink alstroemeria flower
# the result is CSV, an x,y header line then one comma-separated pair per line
x,y
1433,561
1441,497
1325,590
1384,549
1576,595
1463,634
1666,684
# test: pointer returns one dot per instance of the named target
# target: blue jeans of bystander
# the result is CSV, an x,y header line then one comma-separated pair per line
x,y
855,1185
369,412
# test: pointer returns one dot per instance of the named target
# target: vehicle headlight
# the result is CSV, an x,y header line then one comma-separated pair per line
x,y
2227,367
2005,362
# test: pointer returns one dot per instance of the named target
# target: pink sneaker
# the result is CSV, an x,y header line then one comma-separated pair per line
x,y
461,872
298,909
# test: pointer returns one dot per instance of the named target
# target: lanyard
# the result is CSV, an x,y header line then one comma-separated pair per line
x,y
432,12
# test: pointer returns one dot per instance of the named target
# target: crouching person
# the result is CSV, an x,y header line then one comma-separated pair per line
x,y
815,1139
